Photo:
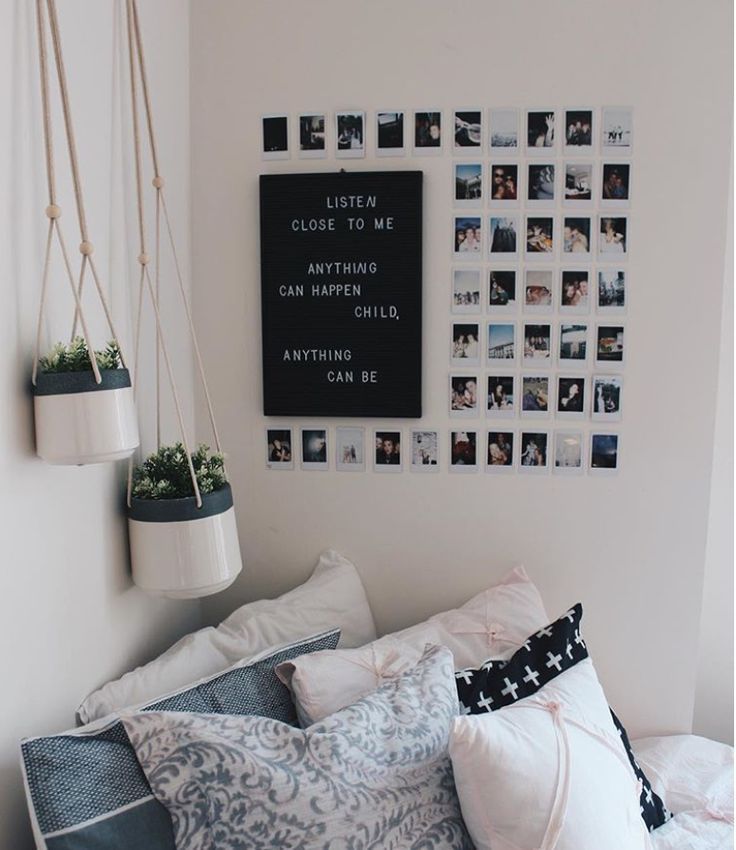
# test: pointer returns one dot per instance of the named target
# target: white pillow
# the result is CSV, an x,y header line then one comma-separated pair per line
x,y
492,624
333,597
547,772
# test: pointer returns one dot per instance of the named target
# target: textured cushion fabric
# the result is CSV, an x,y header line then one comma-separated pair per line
x,y
494,622
544,656
333,597
653,810
375,775
85,788
548,771
696,776
539,659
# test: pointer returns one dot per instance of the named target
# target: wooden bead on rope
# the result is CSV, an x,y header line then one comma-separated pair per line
x,y
158,182
143,259
53,211
86,248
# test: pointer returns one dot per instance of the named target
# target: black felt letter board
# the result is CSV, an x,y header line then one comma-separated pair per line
x,y
341,294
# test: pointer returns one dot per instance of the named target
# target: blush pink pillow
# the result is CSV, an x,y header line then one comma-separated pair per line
x,y
493,624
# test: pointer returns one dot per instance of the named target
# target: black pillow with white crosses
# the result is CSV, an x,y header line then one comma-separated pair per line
x,y
545,655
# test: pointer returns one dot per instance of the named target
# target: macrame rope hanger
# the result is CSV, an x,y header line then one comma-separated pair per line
x,y
146,284
53,210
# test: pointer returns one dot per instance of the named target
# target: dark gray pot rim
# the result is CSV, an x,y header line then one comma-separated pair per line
x,y
181,510
66,383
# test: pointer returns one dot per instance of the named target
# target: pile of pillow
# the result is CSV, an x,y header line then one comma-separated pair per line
x,y
484,726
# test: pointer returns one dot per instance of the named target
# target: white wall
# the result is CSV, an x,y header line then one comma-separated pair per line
x,y
632,547
69,616
714,700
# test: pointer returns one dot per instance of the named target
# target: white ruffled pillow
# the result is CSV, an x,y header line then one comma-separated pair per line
x,y
494,623
333,597
548,772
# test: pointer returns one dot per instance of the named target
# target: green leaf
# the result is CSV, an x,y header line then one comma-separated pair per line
x,y
165,473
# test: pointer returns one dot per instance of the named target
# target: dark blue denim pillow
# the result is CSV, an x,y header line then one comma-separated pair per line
x,y
85,788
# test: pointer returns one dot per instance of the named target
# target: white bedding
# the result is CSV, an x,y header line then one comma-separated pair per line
x,y
694,776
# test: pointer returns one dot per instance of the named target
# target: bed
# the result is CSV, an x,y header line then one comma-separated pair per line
x,y
695,777
270,667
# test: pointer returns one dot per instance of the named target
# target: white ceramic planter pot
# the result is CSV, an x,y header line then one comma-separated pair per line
x,y
79,421
181,551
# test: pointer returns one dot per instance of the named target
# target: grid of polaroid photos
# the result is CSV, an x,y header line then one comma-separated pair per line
x,y
539,283
539,286
498,448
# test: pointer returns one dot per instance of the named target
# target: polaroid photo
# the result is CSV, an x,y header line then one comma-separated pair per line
x,y
579,130
390,133
468,128
573,349
465,346
387,457
349,448
503,237
612,298
312,135
502,291
571,397
500,451
617,129
535,396
466,291
503,185
616,184
279,451
576,235
540,185
275,136
501,398
425,451
468,184
501,343
538,291
540,131
606,398
428,133
537,344
609,345
613,238
578,191
575,292
467,238
604,454
463,451
533,452
503,131
540,243
350,129
568,453
463,395
314,449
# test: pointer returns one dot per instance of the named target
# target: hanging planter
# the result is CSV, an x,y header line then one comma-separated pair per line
x,y
182,546
79,420
83,400
181,520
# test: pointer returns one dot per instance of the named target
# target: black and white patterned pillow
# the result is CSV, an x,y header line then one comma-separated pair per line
x,y
653,810
545,655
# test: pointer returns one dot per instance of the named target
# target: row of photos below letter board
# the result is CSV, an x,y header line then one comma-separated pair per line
x,y
533,450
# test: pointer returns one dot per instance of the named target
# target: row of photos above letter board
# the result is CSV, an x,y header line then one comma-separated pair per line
x,y
341,280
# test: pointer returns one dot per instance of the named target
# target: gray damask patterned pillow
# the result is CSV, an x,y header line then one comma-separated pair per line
x,y
374,776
